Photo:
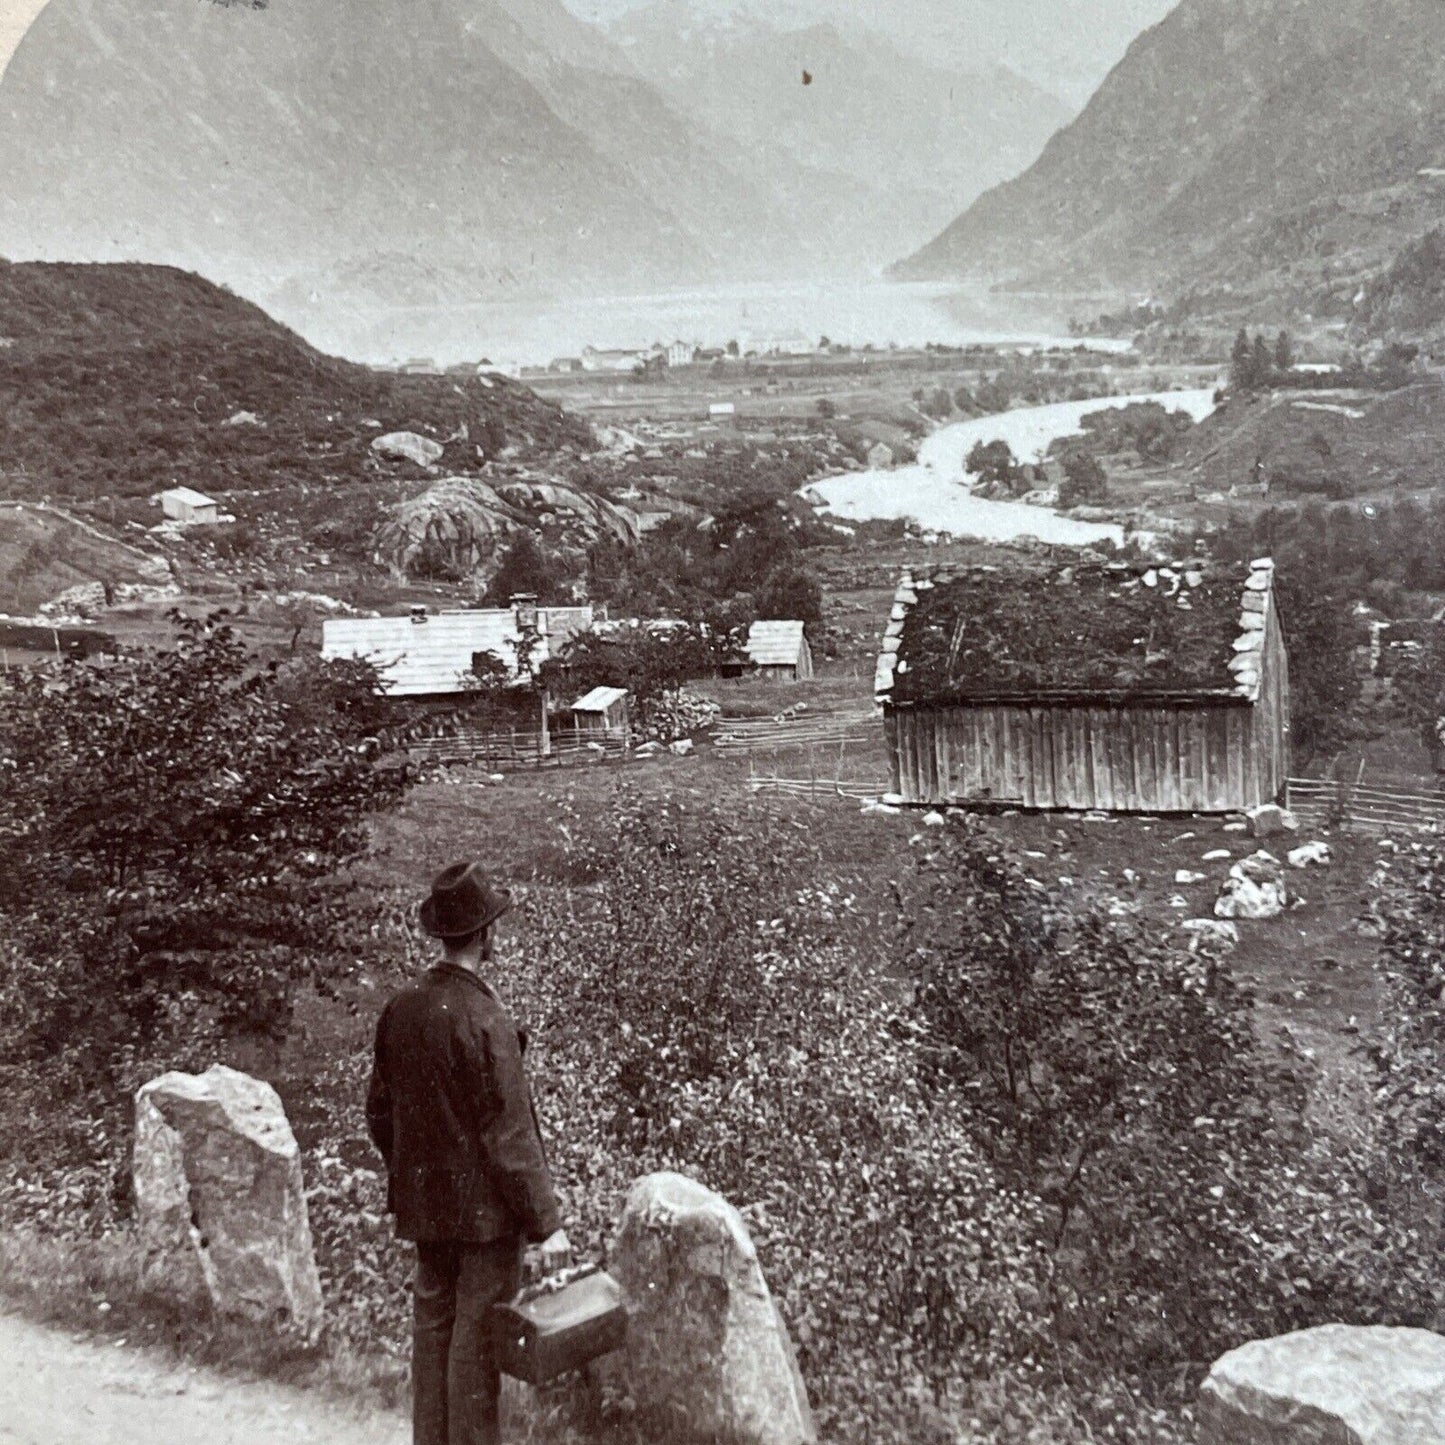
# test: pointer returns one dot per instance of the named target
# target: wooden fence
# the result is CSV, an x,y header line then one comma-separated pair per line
x,y
1371,807
771,734
503,751
813,787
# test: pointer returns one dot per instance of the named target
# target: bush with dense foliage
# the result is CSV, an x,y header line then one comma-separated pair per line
x,y
172,824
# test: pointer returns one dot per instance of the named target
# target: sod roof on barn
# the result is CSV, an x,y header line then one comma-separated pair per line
x,y
1090,630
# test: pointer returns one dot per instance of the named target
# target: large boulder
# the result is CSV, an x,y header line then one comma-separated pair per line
x,y
708,1355
220,1200
1333,1385
408,446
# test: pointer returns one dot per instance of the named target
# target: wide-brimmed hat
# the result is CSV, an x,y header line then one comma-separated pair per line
x,y
462,902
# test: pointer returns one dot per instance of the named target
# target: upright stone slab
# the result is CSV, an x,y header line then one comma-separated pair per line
x,y
707,1354
1332,1385
220,1200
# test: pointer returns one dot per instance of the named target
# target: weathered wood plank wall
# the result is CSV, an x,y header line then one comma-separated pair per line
x,y
1206,757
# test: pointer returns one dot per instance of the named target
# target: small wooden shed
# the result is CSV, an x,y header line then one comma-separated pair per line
x,y
780,649
602,712
1094,686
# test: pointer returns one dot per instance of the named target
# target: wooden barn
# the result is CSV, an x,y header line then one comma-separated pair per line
x,y
779,649
1094,686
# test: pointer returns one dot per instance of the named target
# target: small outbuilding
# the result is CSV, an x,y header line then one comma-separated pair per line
x,y
183,504
602,712
1115,687
780,649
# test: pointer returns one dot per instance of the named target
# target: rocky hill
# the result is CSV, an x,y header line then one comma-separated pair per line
x,y
1272,147
121,380
504,140
910,138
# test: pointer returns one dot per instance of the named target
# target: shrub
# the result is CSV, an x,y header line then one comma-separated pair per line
x,y
171,829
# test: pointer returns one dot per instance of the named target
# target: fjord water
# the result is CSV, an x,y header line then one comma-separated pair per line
x,y
533,331
934,492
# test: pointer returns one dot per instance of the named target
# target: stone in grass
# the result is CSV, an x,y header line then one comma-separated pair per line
x,y
1185,875
1211,935
1242,897
1310,855
934,820
1355,1385
220,1202
707,1355
1216,855
1269,819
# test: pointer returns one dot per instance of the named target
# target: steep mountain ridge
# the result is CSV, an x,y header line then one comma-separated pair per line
x,y
502,139
910,136
1247,143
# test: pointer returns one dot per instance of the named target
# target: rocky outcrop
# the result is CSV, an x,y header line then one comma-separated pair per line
x,y
1333,1385
708,1356
463,522
219,1195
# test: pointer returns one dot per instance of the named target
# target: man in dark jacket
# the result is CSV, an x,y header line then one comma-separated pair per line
x,y
450,1111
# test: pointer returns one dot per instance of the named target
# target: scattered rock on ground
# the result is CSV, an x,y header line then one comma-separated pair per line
x,y
934,820
1185,875
408,446
1216,855
1255,888
874,805
681,748
1358,1385
220,1200
1269,818
1308,854
707,1352
1210,935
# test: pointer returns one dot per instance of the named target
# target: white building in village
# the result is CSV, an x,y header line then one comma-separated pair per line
x,y
183,504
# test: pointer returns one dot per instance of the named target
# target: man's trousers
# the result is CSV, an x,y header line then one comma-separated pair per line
x,y
455,1381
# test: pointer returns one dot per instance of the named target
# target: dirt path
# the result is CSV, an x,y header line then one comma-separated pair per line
x,y
56,1389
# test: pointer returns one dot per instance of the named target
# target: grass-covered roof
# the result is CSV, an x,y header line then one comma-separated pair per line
x,y
1090,628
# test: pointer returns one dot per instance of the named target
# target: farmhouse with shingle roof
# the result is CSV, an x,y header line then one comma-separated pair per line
x,y
1093,686
429,654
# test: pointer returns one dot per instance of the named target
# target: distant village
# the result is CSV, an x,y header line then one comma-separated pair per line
x,y
638,360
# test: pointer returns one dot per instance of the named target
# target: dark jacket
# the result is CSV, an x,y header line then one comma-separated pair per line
x,y
450,1111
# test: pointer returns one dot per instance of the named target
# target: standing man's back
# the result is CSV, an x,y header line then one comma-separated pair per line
x,y
468,1181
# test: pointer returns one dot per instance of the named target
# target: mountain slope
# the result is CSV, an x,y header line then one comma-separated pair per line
x,y
121,380
911,137
1245,142
501,139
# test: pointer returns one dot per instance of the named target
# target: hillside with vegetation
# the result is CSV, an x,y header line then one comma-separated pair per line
x,y
1277,147
122,380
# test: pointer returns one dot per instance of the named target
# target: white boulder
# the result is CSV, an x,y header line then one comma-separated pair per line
x,y
1186,876
219,1197
408,446
707,1352
934,820
1255,888
1356,1385
1216,855
1310,855
1270,818
681,748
